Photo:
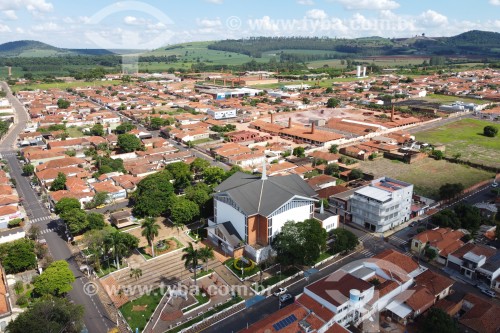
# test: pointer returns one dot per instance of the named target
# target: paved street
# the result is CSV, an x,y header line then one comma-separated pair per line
x,y
95,318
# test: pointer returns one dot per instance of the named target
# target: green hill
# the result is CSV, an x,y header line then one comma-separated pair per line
x,y
33,48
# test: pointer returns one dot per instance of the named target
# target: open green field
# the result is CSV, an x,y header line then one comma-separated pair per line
x,y
138,312
466,137
193,52
64,85
444,99
384,62
426,175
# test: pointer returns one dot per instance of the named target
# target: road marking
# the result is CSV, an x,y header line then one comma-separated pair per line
x,y
40,219
365,237
367,253
397,240
46,231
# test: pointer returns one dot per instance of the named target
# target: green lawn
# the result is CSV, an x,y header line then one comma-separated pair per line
x,y
426,175
64,85
323,256
139,318
465,137
322,83
107,267
74,132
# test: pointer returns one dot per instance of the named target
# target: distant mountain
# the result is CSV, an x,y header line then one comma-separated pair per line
x,y
33,48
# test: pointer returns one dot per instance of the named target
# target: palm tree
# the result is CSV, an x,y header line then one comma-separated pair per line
x,y
206,253
190,257
115,244
150,230
136,273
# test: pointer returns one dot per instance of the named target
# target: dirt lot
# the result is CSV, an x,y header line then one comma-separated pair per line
x,y
426,175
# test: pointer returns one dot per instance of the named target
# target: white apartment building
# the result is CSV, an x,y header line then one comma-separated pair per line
x,y
382,205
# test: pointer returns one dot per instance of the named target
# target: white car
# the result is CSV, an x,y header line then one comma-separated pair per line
x,y
280,291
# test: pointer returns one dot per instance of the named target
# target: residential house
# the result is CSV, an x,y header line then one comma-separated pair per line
x,y
114,192
476,262
442,240
480,316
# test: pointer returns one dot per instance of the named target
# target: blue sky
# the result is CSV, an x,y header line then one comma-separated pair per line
x,y
152,24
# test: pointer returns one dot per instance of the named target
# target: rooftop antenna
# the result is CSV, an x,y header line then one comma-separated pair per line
x,y
264,171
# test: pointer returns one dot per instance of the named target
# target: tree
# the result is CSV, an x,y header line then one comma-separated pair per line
x,y
152,197
95,221
356,174
331,169
136,273
328,90
213,175
76,220
49,315
66,204
206,253
28,169
343,240
198,165
156,123
18,256
450,191
431,254
191,256
334,149
56,280
97,130
437,154
300,243
332,103
124,128
129,143
120,244
34,232
59,183
63,104
299,152
183,211
150,230
438,321
181,174
100,198
490,131
199,193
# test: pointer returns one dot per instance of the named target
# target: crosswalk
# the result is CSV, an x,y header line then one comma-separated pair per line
x,y
9,154
46,231
396,240
365,237
367,253
40,219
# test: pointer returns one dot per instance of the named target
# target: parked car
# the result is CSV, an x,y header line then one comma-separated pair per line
x,y
411,225
198,268
286,298
280,291
489,292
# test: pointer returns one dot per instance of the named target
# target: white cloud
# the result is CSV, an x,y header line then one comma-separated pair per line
x,y
49,26
316,14
305,2
495,2
217,2
4,28
369,4
20,30
206,23
75,20
30,5
432,18
132,20
10,14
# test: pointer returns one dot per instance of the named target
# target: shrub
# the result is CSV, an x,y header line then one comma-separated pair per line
x,y
15,223
238,266
22,300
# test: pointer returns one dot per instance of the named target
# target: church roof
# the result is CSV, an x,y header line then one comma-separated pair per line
x,y
255,195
